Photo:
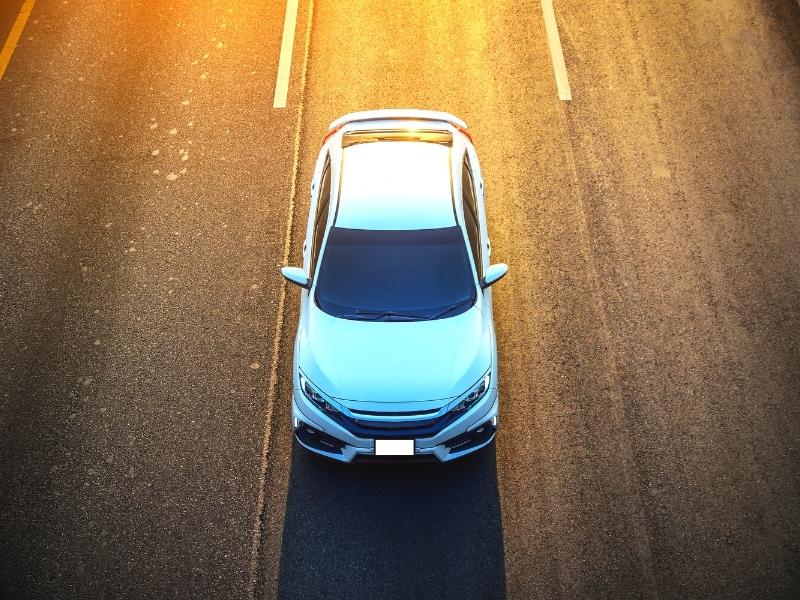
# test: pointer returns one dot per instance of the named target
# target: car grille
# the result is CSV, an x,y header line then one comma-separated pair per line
x,y
419,428
413,413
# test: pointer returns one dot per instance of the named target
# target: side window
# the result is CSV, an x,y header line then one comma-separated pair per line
x,y
471,216
321,218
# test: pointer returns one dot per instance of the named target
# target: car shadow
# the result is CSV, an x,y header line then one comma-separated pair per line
x,y
378,531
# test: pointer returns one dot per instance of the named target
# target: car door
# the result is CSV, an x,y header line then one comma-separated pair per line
x,y
477,177
472,220
318,215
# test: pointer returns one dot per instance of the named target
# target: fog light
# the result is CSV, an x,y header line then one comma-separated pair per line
x,y
494,421
295,423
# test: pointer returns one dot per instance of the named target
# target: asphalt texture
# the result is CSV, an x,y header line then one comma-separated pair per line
x,y
648,330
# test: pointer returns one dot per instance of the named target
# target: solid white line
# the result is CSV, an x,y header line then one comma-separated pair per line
x,y
258,523
553,39
14,34
285,61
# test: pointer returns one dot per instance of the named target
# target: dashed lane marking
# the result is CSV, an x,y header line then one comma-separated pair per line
x,y
285,61
554,41
14,35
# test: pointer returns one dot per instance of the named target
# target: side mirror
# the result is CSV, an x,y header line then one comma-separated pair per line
x,y
297,276
493,274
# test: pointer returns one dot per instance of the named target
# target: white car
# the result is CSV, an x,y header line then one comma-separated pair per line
x,y
395,351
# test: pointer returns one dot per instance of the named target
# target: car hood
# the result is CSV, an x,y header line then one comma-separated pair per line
x,y
365,363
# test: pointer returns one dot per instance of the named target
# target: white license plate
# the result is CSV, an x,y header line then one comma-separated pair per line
x,y
394,447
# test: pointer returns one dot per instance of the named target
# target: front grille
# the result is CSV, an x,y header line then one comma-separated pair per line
x,y
414,413
371,459
421,428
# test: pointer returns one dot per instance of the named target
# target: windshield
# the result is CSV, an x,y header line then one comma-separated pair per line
x,y
395,275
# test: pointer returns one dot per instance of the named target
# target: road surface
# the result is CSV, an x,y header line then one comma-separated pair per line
x,y
648,330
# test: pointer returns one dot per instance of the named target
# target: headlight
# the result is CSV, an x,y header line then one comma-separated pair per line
x,y
476,393
315,397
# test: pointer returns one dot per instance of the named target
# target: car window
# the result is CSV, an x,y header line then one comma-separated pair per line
x,y
321,217
416,274
471,216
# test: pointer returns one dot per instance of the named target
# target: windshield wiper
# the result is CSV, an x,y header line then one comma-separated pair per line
x,y
452,307
374,315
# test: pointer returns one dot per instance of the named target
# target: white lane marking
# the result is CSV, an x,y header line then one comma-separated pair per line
x,y
258,522
14,34
554,41
285,60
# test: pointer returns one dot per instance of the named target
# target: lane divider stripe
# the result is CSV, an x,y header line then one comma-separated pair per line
x,y
557,55
14,35
285,60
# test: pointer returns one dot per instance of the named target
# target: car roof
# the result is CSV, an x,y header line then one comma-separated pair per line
x,y
396,185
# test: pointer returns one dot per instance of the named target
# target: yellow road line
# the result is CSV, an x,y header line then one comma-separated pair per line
x,y
553,39
14,34
285,60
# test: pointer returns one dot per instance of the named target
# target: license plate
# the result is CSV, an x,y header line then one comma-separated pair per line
x,y
394,447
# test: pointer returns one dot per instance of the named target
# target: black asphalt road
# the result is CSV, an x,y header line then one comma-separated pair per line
x,y
649,329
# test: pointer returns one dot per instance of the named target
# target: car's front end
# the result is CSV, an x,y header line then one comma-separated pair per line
x,y
368,389
341,432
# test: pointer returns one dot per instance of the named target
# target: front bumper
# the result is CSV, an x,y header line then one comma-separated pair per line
x,y
322,435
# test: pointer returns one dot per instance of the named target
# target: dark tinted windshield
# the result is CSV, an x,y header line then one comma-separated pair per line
x,y
395,275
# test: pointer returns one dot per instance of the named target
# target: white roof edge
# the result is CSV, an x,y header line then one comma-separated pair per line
x,y
398,113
